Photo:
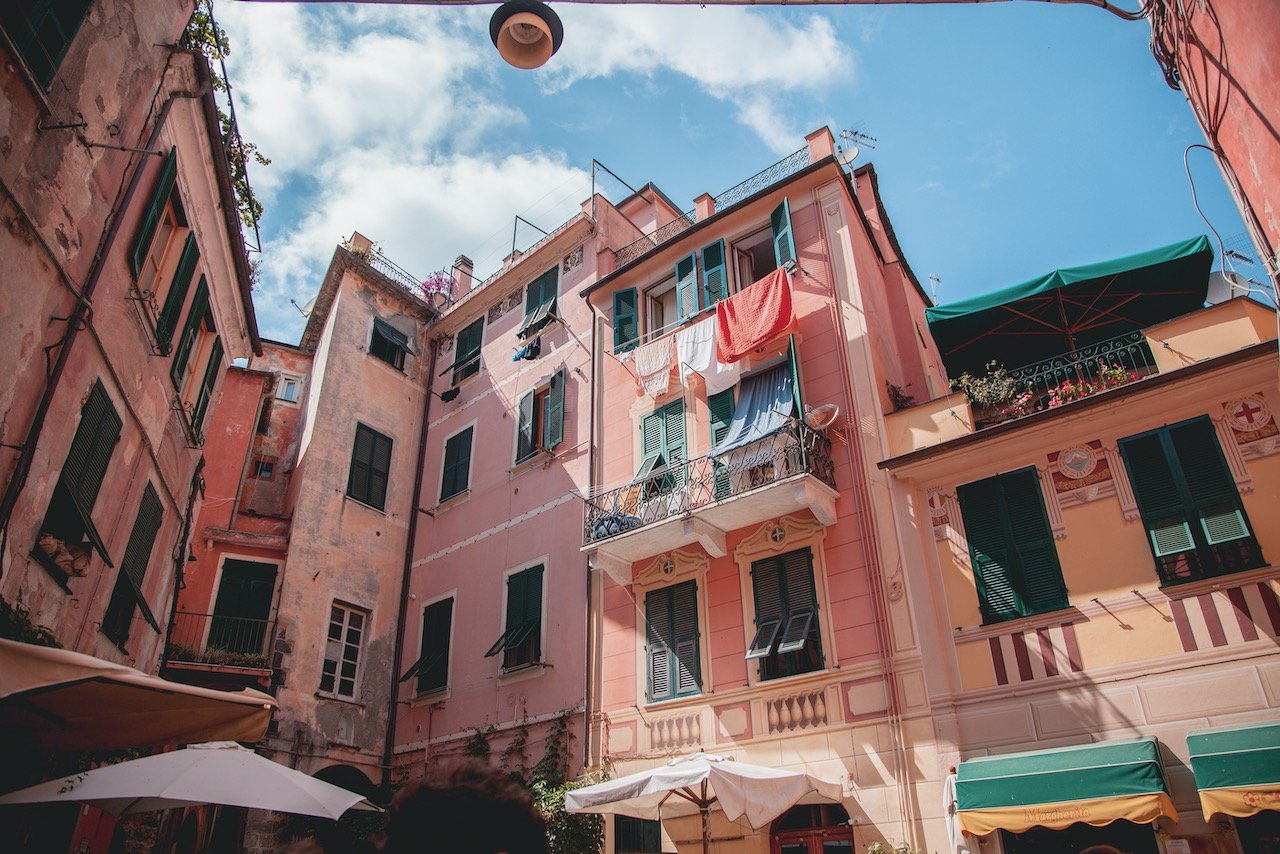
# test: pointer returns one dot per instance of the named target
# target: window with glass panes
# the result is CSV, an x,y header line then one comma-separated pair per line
x,y
41,31
787,640
342,649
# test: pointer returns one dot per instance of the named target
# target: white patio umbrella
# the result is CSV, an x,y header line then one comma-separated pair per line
x,y
217,772
692,785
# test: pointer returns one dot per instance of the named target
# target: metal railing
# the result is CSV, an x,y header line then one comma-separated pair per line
x,y
689,484
220,640
1072,376
783,169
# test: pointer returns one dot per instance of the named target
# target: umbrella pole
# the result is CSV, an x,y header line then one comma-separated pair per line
x,y
706,829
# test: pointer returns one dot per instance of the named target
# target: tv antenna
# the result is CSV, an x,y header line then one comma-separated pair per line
x,y
934,281
850,144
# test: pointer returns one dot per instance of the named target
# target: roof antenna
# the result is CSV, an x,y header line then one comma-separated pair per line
x,y
934,281
300,309
848,149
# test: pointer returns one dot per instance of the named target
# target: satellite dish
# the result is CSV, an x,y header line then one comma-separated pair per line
x,y
822,417
847,154
1223,286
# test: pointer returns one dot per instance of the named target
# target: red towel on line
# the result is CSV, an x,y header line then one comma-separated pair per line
x,y
754,316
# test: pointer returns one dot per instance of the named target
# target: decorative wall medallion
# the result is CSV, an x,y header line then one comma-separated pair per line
x,y
1079,467
572,260
1077,462
938,508
444,346
778,534
1250,418
503,306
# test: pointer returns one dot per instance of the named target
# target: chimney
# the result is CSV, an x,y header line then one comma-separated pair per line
x,y
463,274
704,206
359,244
821,144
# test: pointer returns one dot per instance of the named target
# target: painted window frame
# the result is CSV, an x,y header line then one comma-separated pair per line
x,y
340,617
282,385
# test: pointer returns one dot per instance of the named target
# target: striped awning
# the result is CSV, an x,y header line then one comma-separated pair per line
x,y
1091,783
1237,769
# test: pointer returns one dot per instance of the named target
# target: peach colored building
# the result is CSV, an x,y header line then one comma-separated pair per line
x,y
747,593
1087,554
124,288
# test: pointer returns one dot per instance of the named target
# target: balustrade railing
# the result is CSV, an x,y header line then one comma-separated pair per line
x,y
220,640
686,485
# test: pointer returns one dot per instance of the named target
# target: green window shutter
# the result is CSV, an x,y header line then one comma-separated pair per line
x,y
467,351
553,418
653,429
206,386
981,507
190,332
720,408
41,32
137,553
437,623
91,449
168,319
626,330
715,279
784,247
793,361
541,290
659,634
379,470
1210,486
1159,499
155,208
673,418
801,602
684,622
1042,585
766,588
457,464
361,456
522,640
524,428
687,286
671,616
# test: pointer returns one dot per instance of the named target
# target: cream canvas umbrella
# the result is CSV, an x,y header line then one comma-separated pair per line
x,y
218,772
692,785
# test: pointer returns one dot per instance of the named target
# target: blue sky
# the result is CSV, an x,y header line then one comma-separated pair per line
x,y
1012,138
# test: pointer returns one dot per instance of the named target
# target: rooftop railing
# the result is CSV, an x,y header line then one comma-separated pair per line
x,y
687,485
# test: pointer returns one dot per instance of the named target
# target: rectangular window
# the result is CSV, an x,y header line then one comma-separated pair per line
x,y
720,409
766,250
715,282
288,388
1015,563
41,32
660,302
264,468
127,596
541,418
457,465
160,232
370,466
1196,524
521,641
663,448
626,321
388,344
341,666
212,368
636,835
671,618
466,350
199,321
432,667
67,533
787,640
176,296
540,303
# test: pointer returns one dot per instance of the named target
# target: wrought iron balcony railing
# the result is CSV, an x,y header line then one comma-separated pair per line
x,y
220,640
687,485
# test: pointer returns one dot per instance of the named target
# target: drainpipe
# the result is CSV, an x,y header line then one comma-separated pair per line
x,y
81,316
180,556
397,656
589,627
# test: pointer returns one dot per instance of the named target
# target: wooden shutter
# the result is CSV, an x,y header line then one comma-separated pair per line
x,y
801,603
190,332
155,209
1041,576
784,247
206,386
137,553
1157,494
1210,487
687,286
91,450
437,623
684,623
793,364
766,587
524,428
715,282
553,418
361,454
720,414
379,469
626,330
981,507
657,607
457,462
177,296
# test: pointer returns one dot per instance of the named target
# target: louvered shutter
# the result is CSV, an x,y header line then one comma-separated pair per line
x,y
1042,586
524,428
766,587
206,387
675,441
1209,483
361,454
720,409
687,286
457,462
684,606
177,296
137,553
626,331
155,209
553,418
190,332
659,634
793,364
981,506
801,604
91,449
379,469
1157,494
715,282
784,247
437,622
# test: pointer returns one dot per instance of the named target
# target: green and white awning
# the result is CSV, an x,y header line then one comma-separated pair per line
x,y
1237,769
1091,783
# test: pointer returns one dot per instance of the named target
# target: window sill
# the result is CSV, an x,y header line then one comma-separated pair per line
x,y
1057,617
337,698
523,673
381,511
453,500
668,702
541,457
427,698
1196,587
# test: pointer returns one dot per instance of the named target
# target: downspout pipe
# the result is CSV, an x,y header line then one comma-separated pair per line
x,y
180,556
397,657
588,626
81,316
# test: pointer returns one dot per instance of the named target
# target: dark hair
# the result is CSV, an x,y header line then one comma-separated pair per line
x,y
464,808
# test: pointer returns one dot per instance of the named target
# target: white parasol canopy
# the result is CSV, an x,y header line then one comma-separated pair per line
x,y
691,785
218,772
